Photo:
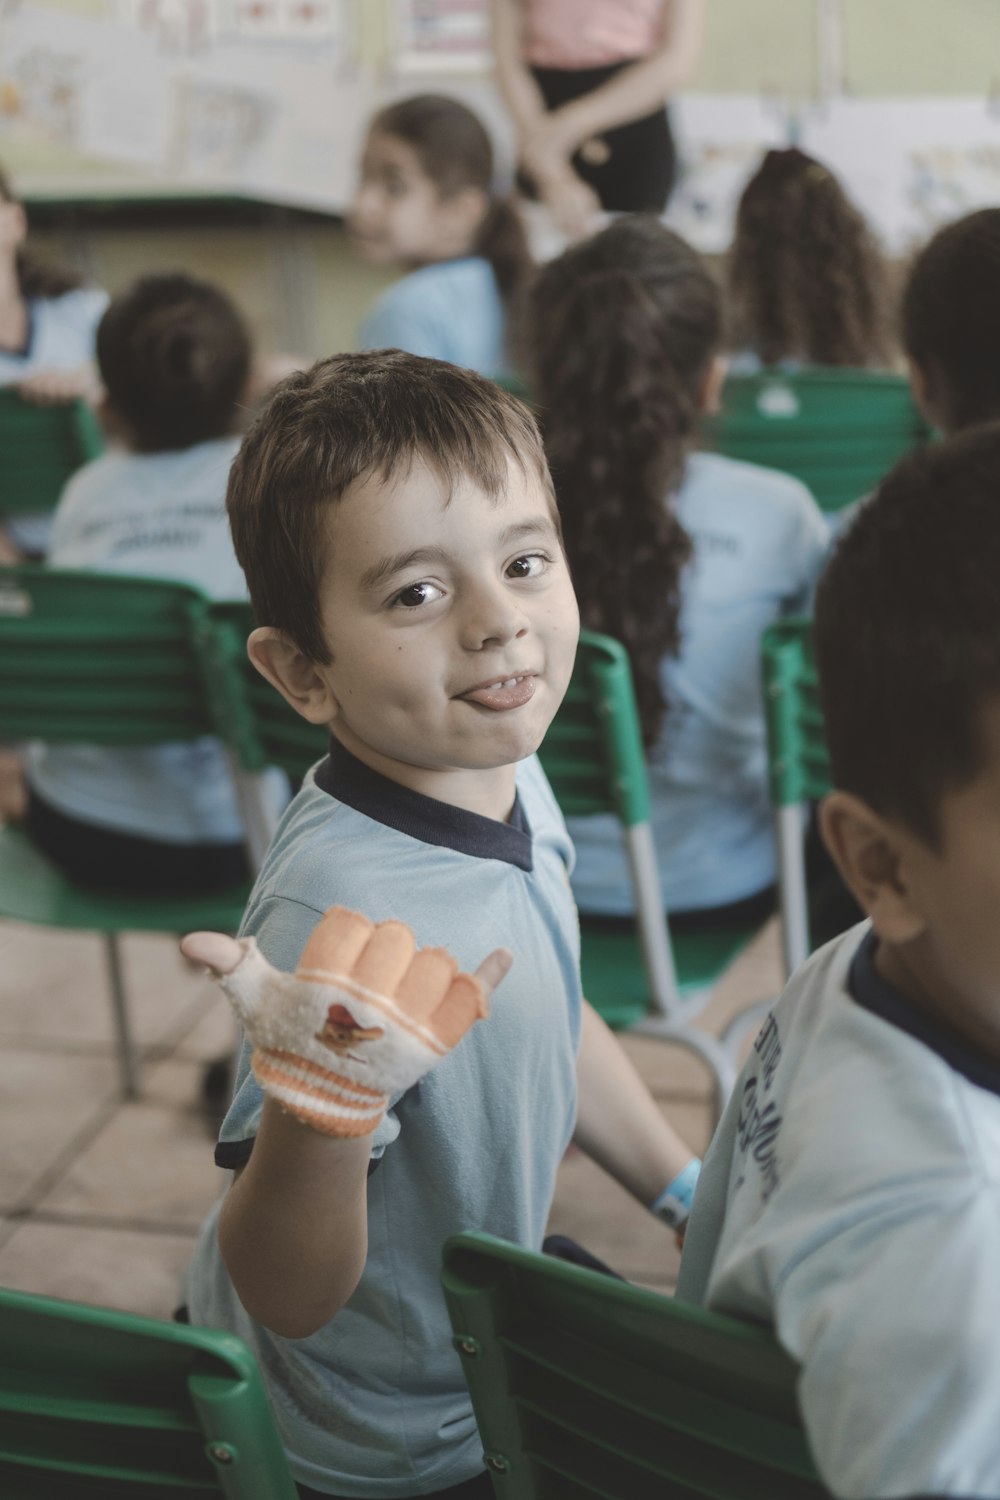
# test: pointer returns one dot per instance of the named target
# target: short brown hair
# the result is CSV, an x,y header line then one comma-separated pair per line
x,y
347,418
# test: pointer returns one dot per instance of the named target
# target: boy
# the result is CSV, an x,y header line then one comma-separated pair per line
x,y
851,1196
395,519
951,323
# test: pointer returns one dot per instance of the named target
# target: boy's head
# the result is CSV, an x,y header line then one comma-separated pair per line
x,y
395,520
174,356
951,322
907,635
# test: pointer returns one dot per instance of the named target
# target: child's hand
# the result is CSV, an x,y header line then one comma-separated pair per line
x,y
363,1017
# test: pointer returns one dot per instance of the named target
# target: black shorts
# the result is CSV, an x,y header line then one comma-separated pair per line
x,y
638,175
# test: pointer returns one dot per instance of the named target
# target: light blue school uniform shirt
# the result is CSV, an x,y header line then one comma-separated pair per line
x,y
759,542
375,1403
850,1200
452,310
159,515
62,332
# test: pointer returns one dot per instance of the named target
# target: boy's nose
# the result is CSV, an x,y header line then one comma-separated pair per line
x,y
492,618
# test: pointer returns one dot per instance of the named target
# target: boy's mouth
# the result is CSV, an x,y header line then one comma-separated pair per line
x,y
502,692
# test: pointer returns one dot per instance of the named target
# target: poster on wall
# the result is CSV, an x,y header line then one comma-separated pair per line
x,y
441,36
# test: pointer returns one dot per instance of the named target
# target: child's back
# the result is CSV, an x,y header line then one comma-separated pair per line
x,y
425,202
174,356
851,1196
685,557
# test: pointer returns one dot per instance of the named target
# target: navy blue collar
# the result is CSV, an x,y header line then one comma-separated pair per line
x,y
866,985
348,779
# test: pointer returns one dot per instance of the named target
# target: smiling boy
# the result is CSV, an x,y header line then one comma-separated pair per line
x,y
395,520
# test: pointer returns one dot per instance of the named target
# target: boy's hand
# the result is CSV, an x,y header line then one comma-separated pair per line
x,y
363,1017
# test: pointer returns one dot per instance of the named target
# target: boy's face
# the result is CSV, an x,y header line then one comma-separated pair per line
x,y
453,628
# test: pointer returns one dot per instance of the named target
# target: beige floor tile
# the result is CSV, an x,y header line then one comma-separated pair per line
x,y
49,1102
152,1163
108,1267
54,989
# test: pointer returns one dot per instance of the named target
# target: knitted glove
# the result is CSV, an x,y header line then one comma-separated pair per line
x,y
362,1018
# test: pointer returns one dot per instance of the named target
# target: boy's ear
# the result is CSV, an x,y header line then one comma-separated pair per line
x,y
710,396
298,679
871,857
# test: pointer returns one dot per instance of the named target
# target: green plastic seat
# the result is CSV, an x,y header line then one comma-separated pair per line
x,y
42,446
646,980
839,431
799,768
584,1386
95,659
103,1405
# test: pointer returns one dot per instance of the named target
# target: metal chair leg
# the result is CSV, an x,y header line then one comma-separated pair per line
x,y
127,1056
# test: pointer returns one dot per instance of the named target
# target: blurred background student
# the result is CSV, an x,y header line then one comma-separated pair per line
x,y
684,557
806,280
174,356
48,323
425,202
586,83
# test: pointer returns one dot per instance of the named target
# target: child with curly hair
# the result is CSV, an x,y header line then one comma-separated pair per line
x,y
806,280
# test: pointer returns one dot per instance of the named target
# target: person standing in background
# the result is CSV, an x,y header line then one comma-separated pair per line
x,y
586,83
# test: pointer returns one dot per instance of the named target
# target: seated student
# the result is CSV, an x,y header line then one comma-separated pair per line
x,y
174,357
951,323
805,279
851,1196
395,519
425,203
48,322
684,557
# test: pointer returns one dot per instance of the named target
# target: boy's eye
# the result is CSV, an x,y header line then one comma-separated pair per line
x,y
416,594
528,566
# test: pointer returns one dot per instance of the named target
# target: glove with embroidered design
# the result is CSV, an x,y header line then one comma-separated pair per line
x,y
362,1018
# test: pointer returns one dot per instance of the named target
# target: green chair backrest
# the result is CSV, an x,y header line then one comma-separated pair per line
x,y
98,659
259,726
839,431
593,753
585,1386
41,446
102,1405
798,762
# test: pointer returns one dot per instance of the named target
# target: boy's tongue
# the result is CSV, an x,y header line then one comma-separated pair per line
x,y
511,692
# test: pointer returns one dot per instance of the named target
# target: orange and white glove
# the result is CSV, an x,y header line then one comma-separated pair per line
x,y
362,1018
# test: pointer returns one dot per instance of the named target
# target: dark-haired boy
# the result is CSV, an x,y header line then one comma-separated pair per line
x,y
851,1197
396,523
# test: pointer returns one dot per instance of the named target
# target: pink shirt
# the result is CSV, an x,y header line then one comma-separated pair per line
x,y
590,33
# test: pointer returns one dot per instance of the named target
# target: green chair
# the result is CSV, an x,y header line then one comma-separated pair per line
x,y
102,1405
646,980
97,659
799,768
839,431
42,446
585,1386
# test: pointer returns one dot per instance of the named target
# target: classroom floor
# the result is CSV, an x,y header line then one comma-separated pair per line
x,y
100,1198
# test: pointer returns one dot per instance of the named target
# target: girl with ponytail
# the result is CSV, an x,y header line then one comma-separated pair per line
x,y
685,557
425,202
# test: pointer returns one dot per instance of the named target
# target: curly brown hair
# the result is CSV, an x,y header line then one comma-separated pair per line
x,y
805,277
624,329
36,277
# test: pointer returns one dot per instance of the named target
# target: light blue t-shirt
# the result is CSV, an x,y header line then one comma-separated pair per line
x,y
61,334
759,542
159,515
850,1201
452,310
375,1403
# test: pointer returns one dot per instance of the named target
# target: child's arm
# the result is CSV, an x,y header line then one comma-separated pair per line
x,y
363,1018
619,1124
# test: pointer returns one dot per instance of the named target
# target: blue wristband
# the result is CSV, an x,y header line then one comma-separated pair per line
x,y
674,1204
